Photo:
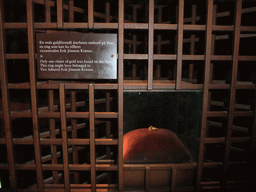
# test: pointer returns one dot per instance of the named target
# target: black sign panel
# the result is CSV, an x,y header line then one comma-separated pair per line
x,y
76,56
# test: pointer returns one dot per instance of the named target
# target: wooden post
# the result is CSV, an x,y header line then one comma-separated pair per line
x,y
205,92
33,92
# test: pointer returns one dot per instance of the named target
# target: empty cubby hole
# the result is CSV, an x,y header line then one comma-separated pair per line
x,y
17,40
219,100
106,154
77,128
245,174
11,8
20,103
221,72
39,12
52,154
3,157
165,12
81,16
247,44
211,174
53,10
135,69
18,71
242,126
107,177
225,12
200,11
77,100
135,13
4,179
245,99
26,178
239,152
78,154
106,128
194,43
246,72
135,41
80,177
105,101
217,127
223,44
193,71
215,152
24,154
248,13
22,127
164,69
165,42
53,177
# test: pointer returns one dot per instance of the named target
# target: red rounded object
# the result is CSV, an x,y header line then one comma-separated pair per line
x,y
158,146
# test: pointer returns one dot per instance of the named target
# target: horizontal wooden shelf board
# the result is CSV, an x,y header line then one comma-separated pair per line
x,y
60,167
68,86
130,25
210,140
212,164
48,141
136,85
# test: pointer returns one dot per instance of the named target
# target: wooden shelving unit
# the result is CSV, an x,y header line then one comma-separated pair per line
x,y
74,129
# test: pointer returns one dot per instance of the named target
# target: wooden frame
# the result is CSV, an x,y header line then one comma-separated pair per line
x,y
63,117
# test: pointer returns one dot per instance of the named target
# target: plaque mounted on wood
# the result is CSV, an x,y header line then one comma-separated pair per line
x,y
64,55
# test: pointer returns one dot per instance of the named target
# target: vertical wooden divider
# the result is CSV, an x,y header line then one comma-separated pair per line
x,y
205,91
214,18
71,11
5,100
64,137
192,44
51,106
173,179
180,44
134,39
107,12
134,65
150,44
146,43
120,91
147,179
176,44
108,129
92,138
74,134
90,14
59,13
159,42
33,92
47,11
237,28
53,133
213,45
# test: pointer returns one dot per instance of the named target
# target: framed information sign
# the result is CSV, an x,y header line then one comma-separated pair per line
x,y
64,55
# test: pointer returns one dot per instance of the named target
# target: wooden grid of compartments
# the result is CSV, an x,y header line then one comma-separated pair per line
x,y
67,135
